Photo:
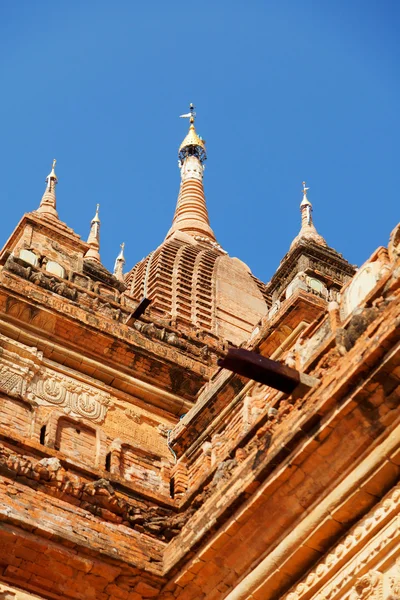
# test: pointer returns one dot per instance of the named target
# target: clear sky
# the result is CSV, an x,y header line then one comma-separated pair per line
x,y
284,90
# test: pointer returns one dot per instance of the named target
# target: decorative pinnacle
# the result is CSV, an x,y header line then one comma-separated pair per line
x,y
307,230
121,254
52,174
94,237
193,144
305,201
119,264
48,202
96,218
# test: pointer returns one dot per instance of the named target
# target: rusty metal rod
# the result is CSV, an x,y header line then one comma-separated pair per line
x,y
139,310
267,371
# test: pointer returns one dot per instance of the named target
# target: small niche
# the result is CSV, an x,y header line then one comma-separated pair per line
x,y
43,435
108,462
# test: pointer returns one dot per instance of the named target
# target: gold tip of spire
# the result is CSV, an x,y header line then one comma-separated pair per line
x,y
192,139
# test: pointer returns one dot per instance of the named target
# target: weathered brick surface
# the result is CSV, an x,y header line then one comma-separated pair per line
x,y
105,494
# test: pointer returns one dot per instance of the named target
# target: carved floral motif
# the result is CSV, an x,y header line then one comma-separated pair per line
x,y
74,397
10,383
368,586
394,584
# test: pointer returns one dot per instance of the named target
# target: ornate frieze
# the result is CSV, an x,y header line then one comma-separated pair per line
x,y
10,382
25,378
333,581
368,587
394,582
15,373
74,397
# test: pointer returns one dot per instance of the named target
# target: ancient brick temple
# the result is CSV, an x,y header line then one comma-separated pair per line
x,y
133,466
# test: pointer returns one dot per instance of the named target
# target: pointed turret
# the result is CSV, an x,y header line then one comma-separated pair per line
x,y
119,264
94,238
48,202
191,215
310,265
307,231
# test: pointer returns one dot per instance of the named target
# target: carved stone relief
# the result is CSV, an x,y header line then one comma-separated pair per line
x,y
25,378
394,583
75,398
11,383
15,373
369,586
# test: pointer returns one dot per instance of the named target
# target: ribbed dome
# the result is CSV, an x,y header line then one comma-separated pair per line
x,y
198,287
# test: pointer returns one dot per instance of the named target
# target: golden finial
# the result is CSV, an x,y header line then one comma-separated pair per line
x,y
190,115
305,189
193,144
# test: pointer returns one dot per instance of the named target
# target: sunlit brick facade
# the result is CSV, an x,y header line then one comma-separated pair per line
x,y
133,467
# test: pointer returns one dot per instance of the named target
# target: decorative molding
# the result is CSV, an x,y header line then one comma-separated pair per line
x,y
374,521
16,373
368,586
25,378
394,583
10,382
74,397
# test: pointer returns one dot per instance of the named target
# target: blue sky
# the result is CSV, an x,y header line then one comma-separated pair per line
x,y
284,90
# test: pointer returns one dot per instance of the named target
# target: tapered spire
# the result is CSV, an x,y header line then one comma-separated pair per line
x,y
119,264
191,215
48,203
94,238
307,231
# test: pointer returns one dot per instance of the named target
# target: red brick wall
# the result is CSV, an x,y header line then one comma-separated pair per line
x,y
76,440
142,468
15,416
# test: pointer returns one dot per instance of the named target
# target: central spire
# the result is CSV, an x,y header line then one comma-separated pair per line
x,y
191,215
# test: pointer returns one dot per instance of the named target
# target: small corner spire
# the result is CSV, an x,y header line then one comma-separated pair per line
x,y
94,238
119,264
48,202
307,230
306,208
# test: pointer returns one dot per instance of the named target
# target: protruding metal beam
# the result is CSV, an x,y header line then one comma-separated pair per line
x,y
139,310
267,371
